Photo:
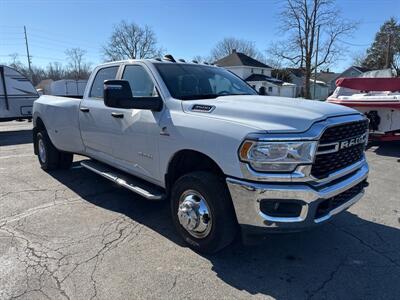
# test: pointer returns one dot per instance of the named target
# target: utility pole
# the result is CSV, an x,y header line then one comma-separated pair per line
x,y
316,62
27,52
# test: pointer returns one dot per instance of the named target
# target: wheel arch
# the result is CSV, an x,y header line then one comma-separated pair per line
x,y
38,126
186,161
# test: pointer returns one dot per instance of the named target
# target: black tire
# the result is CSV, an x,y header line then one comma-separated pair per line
x,y
214,190
66,160
52,159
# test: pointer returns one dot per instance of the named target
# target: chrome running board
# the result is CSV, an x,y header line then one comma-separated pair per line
x,y
138,186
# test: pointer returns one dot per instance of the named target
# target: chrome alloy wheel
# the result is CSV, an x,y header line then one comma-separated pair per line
x,y
194,214
42,151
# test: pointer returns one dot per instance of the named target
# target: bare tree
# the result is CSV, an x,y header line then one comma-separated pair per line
x,y
300,21
14,59
227,45
77,67
358,58
131,41
55,71
200,58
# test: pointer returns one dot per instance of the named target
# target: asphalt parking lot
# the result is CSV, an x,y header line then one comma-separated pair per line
x,y
74,235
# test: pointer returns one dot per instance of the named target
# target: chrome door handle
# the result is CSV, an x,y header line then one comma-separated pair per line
x,y
117,115
84,109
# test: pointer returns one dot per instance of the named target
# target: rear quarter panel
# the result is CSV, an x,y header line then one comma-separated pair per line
x,y
60,115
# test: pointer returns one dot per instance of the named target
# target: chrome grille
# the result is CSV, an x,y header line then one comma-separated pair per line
x,y
327,163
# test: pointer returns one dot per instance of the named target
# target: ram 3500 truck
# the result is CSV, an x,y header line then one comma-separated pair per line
x,y
226,158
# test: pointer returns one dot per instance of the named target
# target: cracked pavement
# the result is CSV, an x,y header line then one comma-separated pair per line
x,y
74,235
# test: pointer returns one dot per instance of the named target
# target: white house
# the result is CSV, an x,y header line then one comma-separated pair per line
x,y
257,74
324,86
330,78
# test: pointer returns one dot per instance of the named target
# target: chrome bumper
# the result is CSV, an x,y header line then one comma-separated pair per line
x,y
246,197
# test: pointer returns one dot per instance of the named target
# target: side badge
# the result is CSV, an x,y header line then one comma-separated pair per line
x,y
203,108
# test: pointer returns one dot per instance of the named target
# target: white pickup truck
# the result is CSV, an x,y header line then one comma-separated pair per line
x,y
227,160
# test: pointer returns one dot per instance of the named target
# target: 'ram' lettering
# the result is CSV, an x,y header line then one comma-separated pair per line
x,y
354,141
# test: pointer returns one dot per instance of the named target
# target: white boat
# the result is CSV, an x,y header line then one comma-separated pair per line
x,y
17,95
377,98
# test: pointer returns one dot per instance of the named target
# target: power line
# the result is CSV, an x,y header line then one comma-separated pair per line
x,y
64,42
48,35
49,38
11,39
38,57
355,45
12,44
57,48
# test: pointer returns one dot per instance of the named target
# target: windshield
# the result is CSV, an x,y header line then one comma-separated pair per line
x,y
189,82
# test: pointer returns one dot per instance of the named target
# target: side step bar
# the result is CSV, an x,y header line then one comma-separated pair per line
x,y
144,189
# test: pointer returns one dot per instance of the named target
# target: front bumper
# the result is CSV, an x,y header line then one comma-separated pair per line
x,y
247,196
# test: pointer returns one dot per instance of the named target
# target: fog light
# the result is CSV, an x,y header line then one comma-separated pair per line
x,y
281,209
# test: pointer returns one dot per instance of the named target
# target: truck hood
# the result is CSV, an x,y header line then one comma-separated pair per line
x,y
273,114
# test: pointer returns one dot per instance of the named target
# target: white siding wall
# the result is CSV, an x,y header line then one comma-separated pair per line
x,y
275,90
321,92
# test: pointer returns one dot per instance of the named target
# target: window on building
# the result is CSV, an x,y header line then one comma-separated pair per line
x,y
270,89
262,71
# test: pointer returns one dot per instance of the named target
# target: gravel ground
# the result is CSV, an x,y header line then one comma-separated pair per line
x,y
74,235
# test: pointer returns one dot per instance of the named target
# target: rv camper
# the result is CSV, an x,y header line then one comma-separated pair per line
x,y
16,95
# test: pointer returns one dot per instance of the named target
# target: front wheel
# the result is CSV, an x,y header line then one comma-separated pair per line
x,y
202,211
50,158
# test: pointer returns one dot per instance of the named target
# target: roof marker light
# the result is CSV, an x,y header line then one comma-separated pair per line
x,y
169,57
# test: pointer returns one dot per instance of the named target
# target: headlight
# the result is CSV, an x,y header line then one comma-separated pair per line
x,y
277,156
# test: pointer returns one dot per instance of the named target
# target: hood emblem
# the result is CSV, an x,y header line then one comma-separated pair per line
x,y
203,108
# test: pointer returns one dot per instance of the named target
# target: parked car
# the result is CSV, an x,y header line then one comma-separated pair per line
x,y
17,95
227,159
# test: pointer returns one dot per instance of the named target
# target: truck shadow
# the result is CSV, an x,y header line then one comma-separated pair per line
x,y
17,137
347,258
391,149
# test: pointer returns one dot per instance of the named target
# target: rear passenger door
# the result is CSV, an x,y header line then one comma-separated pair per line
x,y
98,128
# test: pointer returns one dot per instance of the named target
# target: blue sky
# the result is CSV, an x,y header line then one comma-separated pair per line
x,y
184,28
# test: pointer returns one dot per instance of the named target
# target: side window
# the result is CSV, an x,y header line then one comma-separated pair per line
x,y
140,81
103,74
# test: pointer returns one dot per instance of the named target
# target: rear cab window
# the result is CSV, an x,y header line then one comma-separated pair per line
x,y
103,74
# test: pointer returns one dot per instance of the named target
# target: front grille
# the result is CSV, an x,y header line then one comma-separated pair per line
x,y
328,163
344,131
329,204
